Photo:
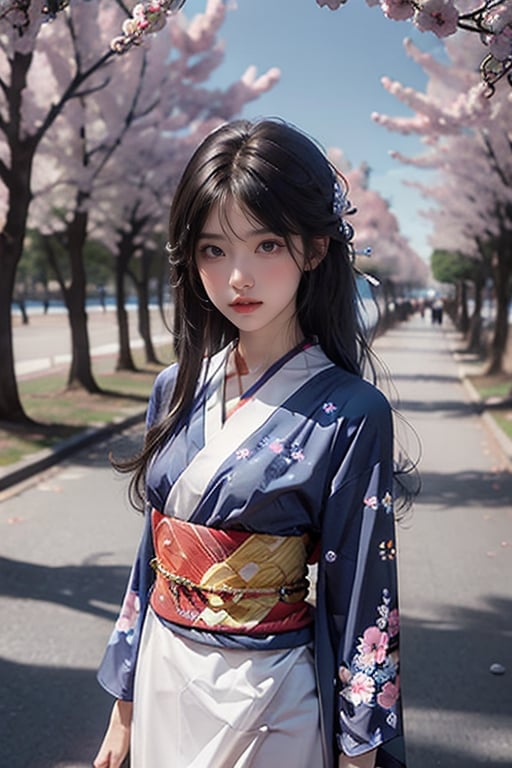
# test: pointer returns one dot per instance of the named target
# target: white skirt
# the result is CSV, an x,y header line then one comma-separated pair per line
x,y
199,706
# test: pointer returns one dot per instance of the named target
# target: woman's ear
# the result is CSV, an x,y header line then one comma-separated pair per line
x,y
319,251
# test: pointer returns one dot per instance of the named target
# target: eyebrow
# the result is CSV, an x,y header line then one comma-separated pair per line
x,y
223,236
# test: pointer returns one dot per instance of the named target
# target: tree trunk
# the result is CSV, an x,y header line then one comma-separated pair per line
x,y
501,273
474,335
143,314
11,408
145,322
124,359
80,372
463,314
17,181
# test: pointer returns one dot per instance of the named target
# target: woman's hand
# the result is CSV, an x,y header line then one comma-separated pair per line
x,y
116,742
363,761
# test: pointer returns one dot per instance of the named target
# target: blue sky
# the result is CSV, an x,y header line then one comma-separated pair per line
x,y
331,63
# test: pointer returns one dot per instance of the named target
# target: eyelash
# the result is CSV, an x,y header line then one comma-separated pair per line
x,y
205,250
275,243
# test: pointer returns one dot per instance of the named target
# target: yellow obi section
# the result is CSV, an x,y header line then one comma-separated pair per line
x,y
229,581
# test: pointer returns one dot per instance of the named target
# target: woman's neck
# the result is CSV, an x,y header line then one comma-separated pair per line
x,y
255,355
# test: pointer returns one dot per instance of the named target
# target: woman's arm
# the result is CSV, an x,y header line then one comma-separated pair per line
x,y
363,761
116,741
357,595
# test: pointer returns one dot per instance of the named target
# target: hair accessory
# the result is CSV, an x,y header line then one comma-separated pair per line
x,y
369,278
341,207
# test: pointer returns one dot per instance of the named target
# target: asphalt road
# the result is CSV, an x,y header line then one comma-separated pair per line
x,y
455,565
45,342
67,540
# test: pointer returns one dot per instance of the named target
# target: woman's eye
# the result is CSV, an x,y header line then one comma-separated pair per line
x,y
269,246
212,251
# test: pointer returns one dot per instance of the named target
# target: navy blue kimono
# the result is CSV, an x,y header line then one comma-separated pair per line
x,y
310,451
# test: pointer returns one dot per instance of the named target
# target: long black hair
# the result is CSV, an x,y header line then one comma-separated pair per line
x,y
285,182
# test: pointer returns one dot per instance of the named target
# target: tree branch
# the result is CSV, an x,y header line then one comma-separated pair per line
x,y
69,93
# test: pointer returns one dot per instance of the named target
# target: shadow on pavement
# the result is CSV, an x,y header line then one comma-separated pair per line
x,y
468,642
50,716
466,489
449,407
426,377
76,587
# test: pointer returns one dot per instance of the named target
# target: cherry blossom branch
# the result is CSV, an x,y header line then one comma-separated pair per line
x,y
492,20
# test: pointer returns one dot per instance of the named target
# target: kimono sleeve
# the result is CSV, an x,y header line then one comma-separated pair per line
x,y
358,589
116,672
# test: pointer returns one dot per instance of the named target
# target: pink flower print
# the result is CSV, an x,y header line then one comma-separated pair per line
x,y
129,613
276,446
393,622
362,689
389,694
374,644
329,407
243,453
372,502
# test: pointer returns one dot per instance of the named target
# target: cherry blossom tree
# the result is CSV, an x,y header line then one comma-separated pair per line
x,y
154,154
491,20
469,143
393,262
146,121
88,123
27,112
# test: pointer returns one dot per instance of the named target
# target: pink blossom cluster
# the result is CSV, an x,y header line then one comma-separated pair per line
x,y
498,20
149,16
442,17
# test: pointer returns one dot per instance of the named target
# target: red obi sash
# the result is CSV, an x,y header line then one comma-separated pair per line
x,y
229,581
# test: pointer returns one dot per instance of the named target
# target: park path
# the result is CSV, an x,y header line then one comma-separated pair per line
x,y
455,563
67,540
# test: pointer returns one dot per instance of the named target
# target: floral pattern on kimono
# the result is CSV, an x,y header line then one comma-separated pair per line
x,y
318,461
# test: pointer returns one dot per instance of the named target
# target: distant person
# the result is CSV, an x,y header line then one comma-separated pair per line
x,y
102,293
20,301
265,450
437,312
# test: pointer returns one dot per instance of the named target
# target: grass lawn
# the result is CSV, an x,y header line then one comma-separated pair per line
x,y
493,389
60,413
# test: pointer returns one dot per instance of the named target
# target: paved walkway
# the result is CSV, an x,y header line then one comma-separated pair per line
x,y
67,541
455,563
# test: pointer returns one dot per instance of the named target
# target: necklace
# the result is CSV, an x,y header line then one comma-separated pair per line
x,y
240,369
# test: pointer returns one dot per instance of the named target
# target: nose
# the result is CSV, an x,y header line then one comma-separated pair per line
x,y
241,276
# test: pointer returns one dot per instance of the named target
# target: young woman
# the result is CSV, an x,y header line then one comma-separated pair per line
x,y
265,450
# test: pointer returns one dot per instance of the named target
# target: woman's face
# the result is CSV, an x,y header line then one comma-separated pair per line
x,y
249,273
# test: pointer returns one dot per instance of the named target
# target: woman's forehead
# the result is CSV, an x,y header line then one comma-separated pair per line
x,y
231,218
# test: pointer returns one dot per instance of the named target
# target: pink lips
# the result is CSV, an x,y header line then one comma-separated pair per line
x,y
245,307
